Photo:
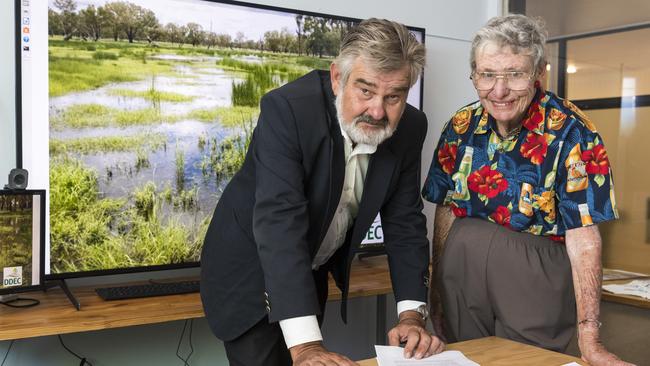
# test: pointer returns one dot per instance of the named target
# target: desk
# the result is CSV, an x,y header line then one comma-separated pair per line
x,y
55,314
502,352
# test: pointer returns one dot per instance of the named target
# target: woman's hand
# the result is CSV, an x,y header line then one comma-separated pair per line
x,y
593,351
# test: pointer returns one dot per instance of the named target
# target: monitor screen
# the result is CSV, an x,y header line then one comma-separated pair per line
x,y
136,114
22,230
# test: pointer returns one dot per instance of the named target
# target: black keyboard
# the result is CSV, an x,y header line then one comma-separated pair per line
x,y
147,290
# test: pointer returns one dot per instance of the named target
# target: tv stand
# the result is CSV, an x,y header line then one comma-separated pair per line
x,y
66,290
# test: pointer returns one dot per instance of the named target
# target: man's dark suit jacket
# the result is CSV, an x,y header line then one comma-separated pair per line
x,y
274,213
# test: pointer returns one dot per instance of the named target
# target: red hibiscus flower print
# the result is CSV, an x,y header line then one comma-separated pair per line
x,y
487,182
447,157
534,148
501,216
535,116
457,211
596,160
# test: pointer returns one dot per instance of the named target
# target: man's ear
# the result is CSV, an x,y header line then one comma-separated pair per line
x,y
335,77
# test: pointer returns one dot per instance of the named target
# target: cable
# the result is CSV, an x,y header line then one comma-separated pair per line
x,y
82,359
180,341
7,354
23,302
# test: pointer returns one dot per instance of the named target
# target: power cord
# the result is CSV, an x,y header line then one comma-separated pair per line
x,y
180,341
83,360
7,353
21,302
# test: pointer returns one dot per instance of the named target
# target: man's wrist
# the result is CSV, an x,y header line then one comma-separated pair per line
x,y
411,316
299,349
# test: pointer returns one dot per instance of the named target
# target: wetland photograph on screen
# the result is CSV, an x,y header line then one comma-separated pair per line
x,y
16,226
152,104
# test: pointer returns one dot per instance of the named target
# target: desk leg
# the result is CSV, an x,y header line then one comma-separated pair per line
x,y
381,320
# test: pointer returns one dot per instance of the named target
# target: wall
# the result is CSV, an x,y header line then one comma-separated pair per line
x,y
449,27
7,99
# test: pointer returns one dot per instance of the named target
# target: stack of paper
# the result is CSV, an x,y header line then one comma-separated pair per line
x,y
635,288
394,356
618,274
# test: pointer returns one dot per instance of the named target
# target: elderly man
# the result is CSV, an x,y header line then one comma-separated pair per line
x,y
330,151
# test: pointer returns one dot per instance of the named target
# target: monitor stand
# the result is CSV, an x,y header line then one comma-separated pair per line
x,y
66,290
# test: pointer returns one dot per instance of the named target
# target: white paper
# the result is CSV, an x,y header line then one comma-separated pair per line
x,y
617,274
571,364
639,288
394,356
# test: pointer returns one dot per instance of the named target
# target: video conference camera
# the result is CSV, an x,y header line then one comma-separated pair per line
x,y
17,179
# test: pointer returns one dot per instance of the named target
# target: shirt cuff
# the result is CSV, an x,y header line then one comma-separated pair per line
x,y
300,330
405,305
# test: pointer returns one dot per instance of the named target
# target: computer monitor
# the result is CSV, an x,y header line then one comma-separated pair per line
x,y
136,114
22,233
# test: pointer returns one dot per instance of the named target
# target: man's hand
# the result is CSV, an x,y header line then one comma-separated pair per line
x,y
593,351
419,342
314,354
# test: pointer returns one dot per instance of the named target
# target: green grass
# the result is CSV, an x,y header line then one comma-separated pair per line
x,y
101,55
73,69
227,116
153,95
92,233
90,145
95,115
180,168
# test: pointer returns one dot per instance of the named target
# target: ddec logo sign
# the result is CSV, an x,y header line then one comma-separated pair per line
x,y
12,276
375,234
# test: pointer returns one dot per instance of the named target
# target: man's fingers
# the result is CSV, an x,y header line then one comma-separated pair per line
x,y
393,337
424,344
412,340
437,346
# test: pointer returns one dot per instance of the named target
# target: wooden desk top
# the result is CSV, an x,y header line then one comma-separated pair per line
x,y
493,351
56,315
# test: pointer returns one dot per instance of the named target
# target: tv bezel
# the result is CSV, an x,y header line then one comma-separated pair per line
x,y
41,233
169,266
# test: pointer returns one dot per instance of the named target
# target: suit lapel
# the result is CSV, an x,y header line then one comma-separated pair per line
x,y
336,176
380,170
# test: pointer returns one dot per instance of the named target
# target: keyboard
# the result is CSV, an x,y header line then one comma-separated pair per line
x,y
147,290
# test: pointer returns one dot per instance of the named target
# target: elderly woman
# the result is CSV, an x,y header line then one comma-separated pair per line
x,y
521,179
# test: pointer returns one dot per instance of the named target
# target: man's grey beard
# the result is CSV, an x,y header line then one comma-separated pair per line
x,y
356,133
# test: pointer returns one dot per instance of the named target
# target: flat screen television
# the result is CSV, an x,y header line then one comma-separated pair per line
x,y
22,234
136,114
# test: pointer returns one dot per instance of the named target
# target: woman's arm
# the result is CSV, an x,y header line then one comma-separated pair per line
x,y
584,249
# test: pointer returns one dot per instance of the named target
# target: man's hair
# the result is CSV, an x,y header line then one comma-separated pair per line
x,y
524,35
384,45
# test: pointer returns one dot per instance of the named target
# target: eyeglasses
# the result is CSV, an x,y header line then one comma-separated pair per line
x,y
516,80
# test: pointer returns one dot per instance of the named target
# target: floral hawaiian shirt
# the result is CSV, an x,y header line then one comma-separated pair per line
x,y
551,177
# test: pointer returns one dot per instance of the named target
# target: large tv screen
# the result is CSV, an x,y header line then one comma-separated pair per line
x,y
136,114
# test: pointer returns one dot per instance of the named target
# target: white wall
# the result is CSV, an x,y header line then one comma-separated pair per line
x,y
449,27
7,94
